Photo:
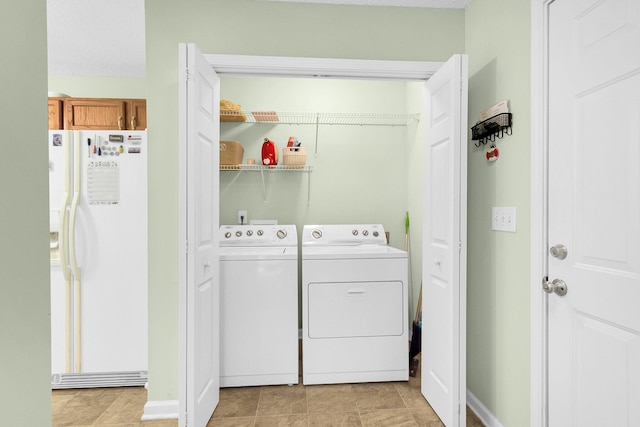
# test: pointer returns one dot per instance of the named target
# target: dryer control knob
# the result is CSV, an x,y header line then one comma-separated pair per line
x,y
227,234
281,234
354,232
375,234
260,232
238,233
365,232
249,233
317,233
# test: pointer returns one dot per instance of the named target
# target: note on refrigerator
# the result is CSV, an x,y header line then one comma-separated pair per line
x,y
103,182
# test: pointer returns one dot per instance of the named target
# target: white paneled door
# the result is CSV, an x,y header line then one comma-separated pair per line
x,y
199,219
444,242
594,213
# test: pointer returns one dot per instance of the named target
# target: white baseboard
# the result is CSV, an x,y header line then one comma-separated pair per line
x,y
160,410
487,418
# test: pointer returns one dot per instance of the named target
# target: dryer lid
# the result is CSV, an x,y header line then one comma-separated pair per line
x,y
352,252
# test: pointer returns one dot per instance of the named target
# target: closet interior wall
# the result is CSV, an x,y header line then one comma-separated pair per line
x,y
369,173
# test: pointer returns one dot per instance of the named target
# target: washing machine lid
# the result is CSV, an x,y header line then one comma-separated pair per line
x,y
258,253
352,252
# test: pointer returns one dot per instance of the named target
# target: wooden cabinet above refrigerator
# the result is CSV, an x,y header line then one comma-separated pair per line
x,y
97,113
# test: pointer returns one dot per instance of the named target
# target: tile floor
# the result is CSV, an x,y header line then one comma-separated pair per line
x,y
394,404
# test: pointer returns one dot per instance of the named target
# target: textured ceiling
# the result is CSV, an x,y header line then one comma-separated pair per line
x,y
106,38
96,38
447,4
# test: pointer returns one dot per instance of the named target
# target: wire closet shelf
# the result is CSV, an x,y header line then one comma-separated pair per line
x,y
357,119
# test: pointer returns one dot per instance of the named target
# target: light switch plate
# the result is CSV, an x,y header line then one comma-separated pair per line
x,y
503,219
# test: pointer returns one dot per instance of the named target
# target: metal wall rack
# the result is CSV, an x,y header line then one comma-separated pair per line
x,y
306,118
269,170
359,119
318,119
491,128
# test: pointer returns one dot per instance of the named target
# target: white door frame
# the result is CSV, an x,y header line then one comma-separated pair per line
x,y
283,66
539,205
239,65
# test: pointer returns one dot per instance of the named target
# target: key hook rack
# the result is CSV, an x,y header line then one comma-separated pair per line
x,y
490,129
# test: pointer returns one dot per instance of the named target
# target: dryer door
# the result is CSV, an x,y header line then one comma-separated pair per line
x,y
355,309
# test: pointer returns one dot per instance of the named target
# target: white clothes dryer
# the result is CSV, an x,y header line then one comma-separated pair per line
x,y
354,306
258,305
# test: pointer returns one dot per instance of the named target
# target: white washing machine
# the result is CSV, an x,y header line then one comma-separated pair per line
x,y
354,306
258,305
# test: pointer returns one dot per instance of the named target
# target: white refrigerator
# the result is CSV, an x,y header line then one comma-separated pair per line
x,y
98,239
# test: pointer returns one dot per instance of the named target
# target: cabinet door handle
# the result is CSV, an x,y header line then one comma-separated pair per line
x,y
133,122
120,122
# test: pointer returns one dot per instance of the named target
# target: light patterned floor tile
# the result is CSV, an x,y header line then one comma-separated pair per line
x,y
281,400
295,420
237,402
334,419
387,418
232,422
395,404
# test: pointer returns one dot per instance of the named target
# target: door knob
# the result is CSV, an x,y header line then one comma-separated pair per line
x,y
558,286
558,251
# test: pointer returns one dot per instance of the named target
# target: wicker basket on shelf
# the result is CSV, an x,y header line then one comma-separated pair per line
x,y
294,157
231,112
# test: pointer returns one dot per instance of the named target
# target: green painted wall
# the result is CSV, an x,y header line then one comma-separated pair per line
x,y
497,40
251,28
359,172
25,329
498,263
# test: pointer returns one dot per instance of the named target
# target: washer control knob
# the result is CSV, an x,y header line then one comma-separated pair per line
x,y
227,234
249,232
365,232
238,233
354,232
376,234
317,233
260,232
281,233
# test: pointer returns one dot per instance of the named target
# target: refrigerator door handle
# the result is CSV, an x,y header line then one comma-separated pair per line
x,y
64,210
74,205
64,249
72,251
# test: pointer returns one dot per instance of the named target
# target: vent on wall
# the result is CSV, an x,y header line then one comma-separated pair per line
x,y
98,379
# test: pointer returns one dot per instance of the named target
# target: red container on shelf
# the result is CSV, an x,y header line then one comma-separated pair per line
x,y
269,153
